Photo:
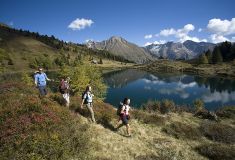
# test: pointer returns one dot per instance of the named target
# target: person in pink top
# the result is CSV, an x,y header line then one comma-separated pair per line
x,y
124,115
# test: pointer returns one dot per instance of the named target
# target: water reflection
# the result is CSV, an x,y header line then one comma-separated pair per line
x,y
183,89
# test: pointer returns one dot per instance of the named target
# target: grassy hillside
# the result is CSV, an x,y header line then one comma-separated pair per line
x,y
33,128
24,50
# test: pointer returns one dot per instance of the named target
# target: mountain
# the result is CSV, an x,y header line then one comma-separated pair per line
x,y
186,50
120,47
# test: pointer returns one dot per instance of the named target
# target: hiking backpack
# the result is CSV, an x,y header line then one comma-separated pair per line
x,y
86,99
119,109
62,87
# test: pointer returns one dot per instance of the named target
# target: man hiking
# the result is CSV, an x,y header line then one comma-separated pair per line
x,y
87,98
123,112
64,90
40,79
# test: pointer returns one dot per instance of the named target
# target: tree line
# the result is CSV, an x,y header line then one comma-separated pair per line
x,y
224,52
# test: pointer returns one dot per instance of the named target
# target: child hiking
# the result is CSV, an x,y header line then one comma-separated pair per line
x,y
64,90
87,99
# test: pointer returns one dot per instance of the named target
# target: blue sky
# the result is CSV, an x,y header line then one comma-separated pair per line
x,y
138,21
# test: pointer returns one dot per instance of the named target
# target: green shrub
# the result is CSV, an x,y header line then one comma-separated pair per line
x,y
83,75
167,106
226,112
31,128
27,79
42,61
152,106
217,151
58,98
198,105
182,130
163,107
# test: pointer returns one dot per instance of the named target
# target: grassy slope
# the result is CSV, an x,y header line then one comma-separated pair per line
x,y
149,140
24,49
154,137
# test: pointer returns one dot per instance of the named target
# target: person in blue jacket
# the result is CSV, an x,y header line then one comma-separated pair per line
x,y
40,79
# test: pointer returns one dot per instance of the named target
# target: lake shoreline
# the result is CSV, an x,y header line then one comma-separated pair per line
x,y
223,70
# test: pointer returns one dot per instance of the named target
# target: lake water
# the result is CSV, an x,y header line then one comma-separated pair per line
x,y
141,86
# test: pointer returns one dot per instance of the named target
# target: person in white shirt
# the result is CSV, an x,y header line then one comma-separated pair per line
x,y
124,115
87,98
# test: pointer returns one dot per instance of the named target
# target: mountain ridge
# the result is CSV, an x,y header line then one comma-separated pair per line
x,y
176,50
121,47
169,50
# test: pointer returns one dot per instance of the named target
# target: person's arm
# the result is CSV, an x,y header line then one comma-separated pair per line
x,y
36,80
47,77
122,111
82,103
83,100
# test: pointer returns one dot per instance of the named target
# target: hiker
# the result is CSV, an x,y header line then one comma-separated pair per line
x,y
87,98
123,112
64,90
40,79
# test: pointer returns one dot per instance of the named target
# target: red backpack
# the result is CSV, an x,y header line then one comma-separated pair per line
x,y
62,86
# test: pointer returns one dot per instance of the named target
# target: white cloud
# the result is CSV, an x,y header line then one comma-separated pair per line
x,y
221,27
181,34
148,36
167,32
178,33
195,39
200,30
159,42
79,24
155,42
218,38
188,27
147,43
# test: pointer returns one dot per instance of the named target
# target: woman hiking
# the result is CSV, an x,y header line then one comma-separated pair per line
x,y
124,115
87,98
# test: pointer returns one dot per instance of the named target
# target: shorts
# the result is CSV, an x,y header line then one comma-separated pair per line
x,y
125,119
